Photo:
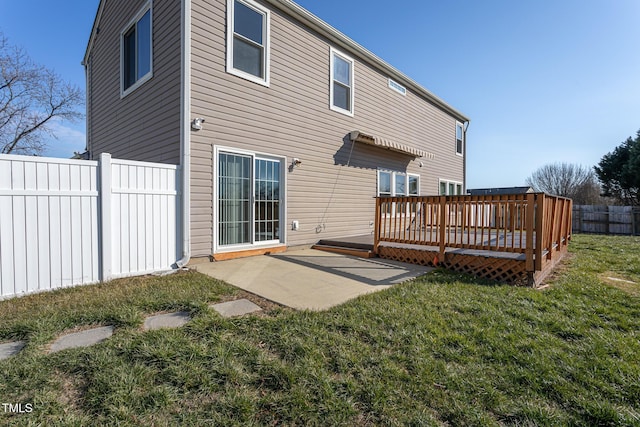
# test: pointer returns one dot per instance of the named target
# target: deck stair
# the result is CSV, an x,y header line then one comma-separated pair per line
x,y
353,247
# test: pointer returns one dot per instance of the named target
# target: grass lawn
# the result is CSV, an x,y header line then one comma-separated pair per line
x,y
444,349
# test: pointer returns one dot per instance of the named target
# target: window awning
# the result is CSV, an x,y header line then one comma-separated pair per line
x,y
376,141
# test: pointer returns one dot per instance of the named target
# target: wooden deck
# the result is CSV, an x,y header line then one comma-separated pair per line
x,y
509,238
365,243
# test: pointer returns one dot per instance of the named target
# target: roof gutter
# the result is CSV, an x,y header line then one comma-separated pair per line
x,y
94,32
185,132
335,36
85,64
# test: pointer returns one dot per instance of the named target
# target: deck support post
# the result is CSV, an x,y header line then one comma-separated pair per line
x,y
443,227
540,232
376,227
529,237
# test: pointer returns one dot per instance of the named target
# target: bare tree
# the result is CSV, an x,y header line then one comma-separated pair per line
x,y
589,193
31,96
567,180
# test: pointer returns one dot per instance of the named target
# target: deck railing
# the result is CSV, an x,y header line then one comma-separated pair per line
x,y
534,224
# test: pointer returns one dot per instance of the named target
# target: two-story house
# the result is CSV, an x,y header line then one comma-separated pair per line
x,y
285,129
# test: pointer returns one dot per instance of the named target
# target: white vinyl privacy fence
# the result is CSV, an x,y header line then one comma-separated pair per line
x,y
74,222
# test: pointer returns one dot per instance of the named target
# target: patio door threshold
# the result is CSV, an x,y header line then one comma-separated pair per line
x,y
223,256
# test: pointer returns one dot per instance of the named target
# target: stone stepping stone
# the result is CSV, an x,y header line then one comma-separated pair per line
x,y
169,320
10,349
81,339
235,308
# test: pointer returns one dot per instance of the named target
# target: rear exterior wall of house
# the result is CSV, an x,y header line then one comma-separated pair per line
x,y
332,192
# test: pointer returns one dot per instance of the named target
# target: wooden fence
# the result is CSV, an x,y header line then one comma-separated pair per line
x,y
532,231
73,222
599,219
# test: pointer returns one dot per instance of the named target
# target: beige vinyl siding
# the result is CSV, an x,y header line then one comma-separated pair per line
x,y
145,124
292,118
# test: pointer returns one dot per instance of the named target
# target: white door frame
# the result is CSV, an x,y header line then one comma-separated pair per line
x,y
283,208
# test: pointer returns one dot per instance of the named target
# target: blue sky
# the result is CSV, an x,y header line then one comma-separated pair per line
x,y
542,81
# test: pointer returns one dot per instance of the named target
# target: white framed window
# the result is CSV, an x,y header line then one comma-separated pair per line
x,y
248,36
459,139
341,91
385,179
136,51
397,184
400,181
414,185
397,87
450,188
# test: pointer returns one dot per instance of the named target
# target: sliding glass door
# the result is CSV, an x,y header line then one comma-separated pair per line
x,y
267,200
249,199
234,199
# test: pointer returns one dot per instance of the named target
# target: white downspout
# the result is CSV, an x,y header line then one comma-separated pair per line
x,y
87,102
86,107
185,132
464,158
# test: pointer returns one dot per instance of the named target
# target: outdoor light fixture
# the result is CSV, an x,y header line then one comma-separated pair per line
x,y
296,162
196,124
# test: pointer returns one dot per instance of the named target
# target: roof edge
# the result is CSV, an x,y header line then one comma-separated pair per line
x,y
94,32
345,42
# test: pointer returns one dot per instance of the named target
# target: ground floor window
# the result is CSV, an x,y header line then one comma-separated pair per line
x,y
450,188
249,199
397,184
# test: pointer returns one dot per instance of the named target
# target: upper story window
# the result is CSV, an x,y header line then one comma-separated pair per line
x,y
248,41
459,138
341,90
137,51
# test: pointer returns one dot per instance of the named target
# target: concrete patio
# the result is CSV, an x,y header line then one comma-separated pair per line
x,y
311,279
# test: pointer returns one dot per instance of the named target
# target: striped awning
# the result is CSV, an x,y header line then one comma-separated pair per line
x,y
376,141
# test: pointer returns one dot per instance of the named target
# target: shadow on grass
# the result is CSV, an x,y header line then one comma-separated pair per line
x,y
444,276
